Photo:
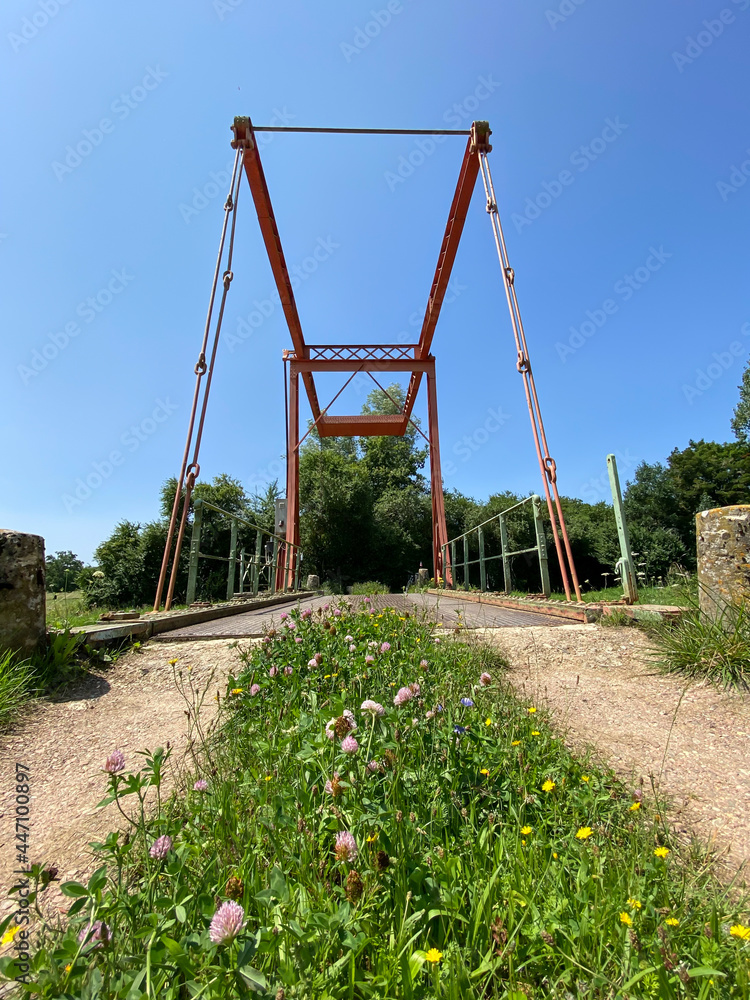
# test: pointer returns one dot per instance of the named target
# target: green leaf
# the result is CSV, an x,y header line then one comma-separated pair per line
x,y
73,889
181,913
253,978
636,979
278,885
98,880
705,970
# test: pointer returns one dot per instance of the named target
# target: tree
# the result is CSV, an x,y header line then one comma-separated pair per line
x,y
741,417
392,462
62,570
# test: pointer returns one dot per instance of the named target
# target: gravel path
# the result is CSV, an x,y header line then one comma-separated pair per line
x,y
691,738
130,707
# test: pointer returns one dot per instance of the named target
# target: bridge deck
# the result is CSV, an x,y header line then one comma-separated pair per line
x,y
446,610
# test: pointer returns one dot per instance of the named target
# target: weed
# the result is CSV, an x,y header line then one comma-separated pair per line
x,y
699,646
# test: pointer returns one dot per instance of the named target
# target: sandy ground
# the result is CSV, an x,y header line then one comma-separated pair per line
x,y
692,739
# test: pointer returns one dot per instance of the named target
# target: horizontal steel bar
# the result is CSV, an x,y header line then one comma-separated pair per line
x,y
363,131
249,524
203,555
489,520
522,552
363,364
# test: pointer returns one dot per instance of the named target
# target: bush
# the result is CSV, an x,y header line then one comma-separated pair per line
x,y
699,646
370,587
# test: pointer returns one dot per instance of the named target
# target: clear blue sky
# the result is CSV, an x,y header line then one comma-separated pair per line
x,y
644,105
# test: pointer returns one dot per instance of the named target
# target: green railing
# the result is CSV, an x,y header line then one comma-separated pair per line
x,y
272,563
463,565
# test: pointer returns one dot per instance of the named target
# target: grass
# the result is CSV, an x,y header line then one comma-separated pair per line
x,y
370,588
679,594
25,678
71,611
475,857
699,646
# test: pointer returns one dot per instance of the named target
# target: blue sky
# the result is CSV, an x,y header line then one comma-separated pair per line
x,y
619,131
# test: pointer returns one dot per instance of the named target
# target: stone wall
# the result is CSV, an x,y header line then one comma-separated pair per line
x,y
723,536
22,592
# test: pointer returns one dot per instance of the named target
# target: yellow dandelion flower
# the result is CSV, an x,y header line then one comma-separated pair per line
x,y
484,771
269,777
433,955
584,833
516,743
334,675
237,690
326,677
172,662
535,732
68,968
672,922
372,837
548,785
585,777
634,904
661,852
554,855
626,919
525,830
635,807
531,711
523,843
738,931
488,722
10,933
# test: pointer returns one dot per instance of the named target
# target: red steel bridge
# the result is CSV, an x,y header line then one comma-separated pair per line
x,y
304,359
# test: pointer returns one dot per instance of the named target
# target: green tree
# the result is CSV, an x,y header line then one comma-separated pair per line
x,y
392,462
62,571
741,416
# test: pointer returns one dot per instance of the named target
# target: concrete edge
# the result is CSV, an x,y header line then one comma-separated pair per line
x,y
100,635
588,613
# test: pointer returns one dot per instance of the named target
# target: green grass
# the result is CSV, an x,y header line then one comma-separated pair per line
x,y
370,588
482,844
71,611
24,678
698,646
679,594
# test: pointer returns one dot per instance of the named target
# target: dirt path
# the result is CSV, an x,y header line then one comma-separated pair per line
x,y
603,691
132,706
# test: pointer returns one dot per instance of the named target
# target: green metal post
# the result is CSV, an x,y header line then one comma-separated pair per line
x,y
506,559
453,565
482,566
274,564
242,570
232,560
541,544
256,561
466,562
625,563
195,546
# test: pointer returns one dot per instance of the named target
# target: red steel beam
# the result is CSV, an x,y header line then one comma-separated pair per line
x,y
480,132
366,365
243,132
363,425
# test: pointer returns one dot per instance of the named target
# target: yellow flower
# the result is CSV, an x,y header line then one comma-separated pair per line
x,y
326,677
535,732
488,722
672,922
372,837
634,904
10,933
268,777
531,711
484,771
172,662
523,843
438,624
738,931
433,955
554,855
661,852
585,777
525,830
548,785
237,690
516,743
626,919
584,833
635,807
334,675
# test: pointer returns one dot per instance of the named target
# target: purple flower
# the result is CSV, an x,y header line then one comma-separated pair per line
x,y
329,728
298,638
326,607
437,642
254,689
201,785
485,679
372,706
97,934
414,688
312,663
283,616
368,600
227,923
306,613
288,671
348,638
459,729
115,762
346,846
352,647
337,612
291,624
467,703
424,664
404,695
349,744
349,716
267,639
161,847
384,647
429,715
372,644
273,671
373,766
369,659
329,787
